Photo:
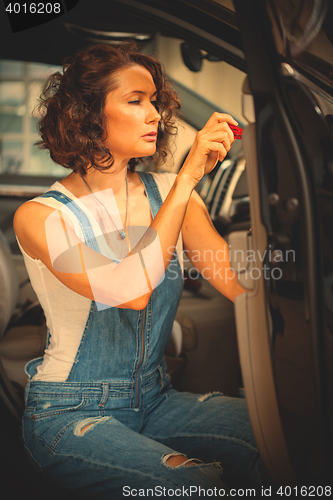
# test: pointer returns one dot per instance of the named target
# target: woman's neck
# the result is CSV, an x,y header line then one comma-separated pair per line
x,y
97,180
113,178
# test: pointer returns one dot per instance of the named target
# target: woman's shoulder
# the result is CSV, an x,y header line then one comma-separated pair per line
x,y
31,214
42,204
31,208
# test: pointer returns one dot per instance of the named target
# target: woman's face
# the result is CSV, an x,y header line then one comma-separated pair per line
x,y
132,118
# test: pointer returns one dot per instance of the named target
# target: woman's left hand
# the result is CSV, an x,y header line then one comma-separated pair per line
x,y
211,144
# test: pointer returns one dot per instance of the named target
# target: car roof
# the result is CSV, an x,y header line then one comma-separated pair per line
x,y
95,20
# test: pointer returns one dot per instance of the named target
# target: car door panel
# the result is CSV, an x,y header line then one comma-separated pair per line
x,y
294,153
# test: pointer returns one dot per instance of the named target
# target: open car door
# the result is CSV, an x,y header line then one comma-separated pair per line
x,y
284,322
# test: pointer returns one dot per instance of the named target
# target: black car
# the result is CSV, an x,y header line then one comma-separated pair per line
x,y
270,64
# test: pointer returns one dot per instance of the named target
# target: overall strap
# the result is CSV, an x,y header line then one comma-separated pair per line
x,y
155,200
81,217
152,191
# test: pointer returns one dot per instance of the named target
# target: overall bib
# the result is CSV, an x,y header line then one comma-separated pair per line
x,y
107,432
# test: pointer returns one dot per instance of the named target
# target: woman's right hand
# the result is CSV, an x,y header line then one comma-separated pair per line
x,y
211,144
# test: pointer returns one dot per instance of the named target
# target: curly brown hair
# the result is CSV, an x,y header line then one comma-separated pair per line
x,y
72,126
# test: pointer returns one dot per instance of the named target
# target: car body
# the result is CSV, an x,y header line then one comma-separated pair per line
x,y
271,199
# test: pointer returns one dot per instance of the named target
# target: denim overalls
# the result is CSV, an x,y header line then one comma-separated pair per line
x,y
107,432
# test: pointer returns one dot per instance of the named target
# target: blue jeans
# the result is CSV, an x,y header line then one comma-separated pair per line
x,y
87,438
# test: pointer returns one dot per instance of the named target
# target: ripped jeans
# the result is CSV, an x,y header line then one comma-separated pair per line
x,y
86,438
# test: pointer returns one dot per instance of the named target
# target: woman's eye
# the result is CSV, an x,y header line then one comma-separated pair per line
x,y
156,105
136,101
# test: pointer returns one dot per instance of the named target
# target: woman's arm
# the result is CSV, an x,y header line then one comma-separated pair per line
x,y
207,250
126,285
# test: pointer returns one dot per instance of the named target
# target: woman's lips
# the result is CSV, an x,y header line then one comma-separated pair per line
x,y
152,136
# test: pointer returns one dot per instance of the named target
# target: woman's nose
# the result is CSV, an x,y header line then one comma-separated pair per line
x,y
153,114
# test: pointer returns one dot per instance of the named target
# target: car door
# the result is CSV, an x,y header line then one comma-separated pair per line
x,y
284,322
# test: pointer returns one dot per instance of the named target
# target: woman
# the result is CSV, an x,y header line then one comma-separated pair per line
x,y
104,257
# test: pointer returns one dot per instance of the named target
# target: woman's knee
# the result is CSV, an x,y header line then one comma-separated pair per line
x,y
175,460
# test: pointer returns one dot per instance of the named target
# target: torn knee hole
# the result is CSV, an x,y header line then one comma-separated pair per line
x,y
176,460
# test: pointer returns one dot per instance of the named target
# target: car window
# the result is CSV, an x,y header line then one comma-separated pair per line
x,y
217,86
304,21
304,36
20,87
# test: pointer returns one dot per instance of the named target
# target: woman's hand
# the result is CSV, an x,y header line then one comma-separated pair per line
x,y
211,144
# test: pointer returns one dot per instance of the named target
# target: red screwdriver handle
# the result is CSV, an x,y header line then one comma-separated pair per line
x,y
238,131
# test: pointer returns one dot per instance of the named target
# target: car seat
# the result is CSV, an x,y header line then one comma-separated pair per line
x,y
19,341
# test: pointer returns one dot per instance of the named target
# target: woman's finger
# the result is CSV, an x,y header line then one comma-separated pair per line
x,y
217,132
226,144
221,117
217,153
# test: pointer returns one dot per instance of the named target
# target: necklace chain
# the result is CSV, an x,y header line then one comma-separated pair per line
x,y
123,232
